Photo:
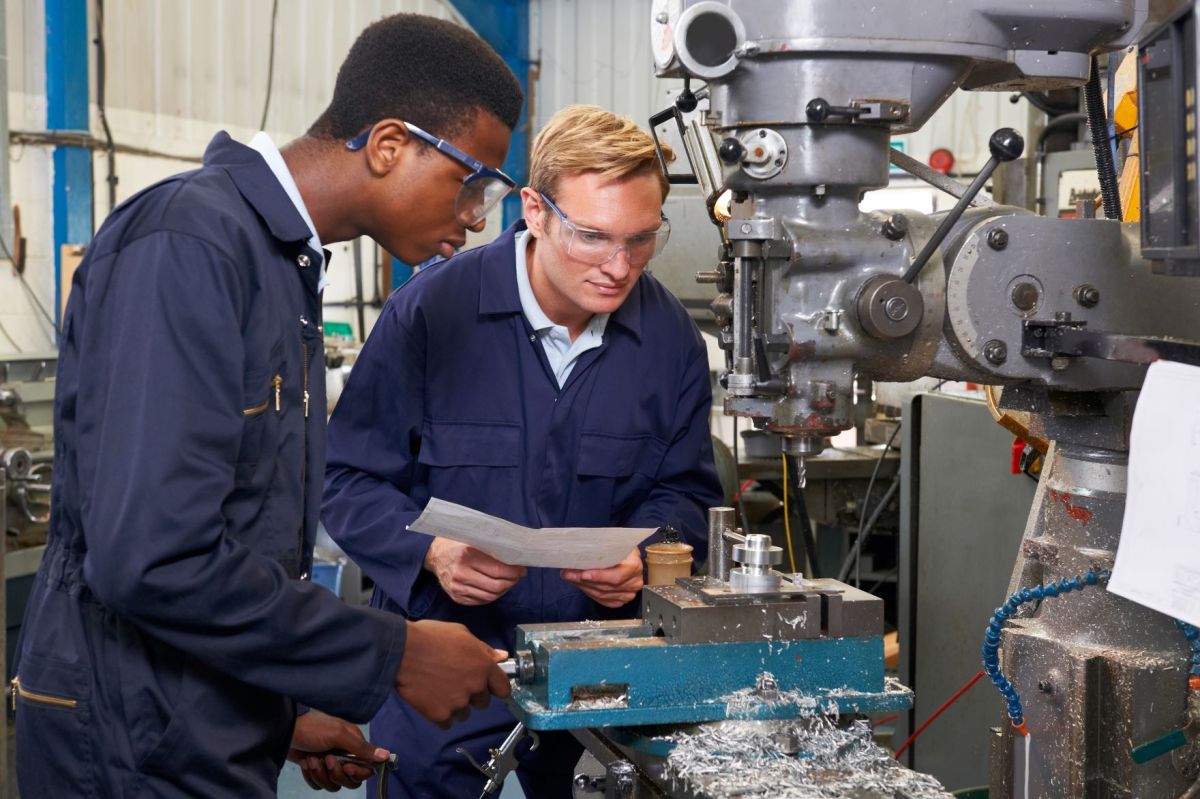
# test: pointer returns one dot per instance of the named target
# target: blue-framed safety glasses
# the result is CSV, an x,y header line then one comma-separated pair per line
x,y
482,188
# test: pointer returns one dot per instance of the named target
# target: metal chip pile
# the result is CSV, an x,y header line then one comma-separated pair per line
x,y
806,758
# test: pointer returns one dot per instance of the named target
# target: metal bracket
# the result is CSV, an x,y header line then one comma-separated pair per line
x,y
750,229
1069,339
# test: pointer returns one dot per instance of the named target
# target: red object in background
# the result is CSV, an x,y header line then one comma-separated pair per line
x,y
941,160
1018,447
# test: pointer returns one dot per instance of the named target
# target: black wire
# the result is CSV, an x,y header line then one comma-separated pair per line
x,y
11,340
110,148
862,508
270,66
854,558
28,289
1110,194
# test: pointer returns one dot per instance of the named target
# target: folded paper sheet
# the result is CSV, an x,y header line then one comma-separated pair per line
x,y
1158,562
550,547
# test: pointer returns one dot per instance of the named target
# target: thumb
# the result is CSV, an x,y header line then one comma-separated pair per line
x,y
499,655
355,744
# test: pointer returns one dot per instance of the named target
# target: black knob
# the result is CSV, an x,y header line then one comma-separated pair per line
x,y
686,101
1006,145
895,227
818,109
731,150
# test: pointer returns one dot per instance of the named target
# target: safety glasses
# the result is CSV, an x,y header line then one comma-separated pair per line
x,y
482,188
596,247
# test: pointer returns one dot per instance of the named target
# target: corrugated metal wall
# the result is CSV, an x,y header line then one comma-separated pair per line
x,y
178,71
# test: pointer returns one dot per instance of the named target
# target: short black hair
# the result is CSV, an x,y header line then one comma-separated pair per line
x,y
427,71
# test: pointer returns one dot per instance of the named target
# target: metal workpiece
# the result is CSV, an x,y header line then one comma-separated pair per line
x,y
720,546
755,556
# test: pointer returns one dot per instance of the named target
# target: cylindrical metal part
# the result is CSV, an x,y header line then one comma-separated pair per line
x,y
741,381
719,547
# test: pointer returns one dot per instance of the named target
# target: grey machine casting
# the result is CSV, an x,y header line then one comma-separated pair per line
x,y
803,98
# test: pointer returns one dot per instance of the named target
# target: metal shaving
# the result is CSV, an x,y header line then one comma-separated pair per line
x,y
806,758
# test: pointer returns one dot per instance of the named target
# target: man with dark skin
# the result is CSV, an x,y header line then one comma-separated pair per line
x,y
171,634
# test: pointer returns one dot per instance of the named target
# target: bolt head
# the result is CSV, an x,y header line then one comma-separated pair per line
x,y
1087,295
1059,364
1024,296
896,308
995,351
997,238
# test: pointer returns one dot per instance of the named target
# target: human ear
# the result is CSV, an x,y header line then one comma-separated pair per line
x,y
534,211
390,144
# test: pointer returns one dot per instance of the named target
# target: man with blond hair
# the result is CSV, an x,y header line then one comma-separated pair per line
x,y
544,379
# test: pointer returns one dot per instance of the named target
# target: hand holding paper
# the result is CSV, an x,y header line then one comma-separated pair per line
x,y
549,547
611,587
468,575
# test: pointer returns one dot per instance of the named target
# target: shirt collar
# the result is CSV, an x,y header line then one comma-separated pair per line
x,y
499,292
264,146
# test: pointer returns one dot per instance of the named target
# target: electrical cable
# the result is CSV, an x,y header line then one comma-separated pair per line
x,y
270,65
854,557
787,525
1098,125
11,340
110,148
862,508
28,289
945,706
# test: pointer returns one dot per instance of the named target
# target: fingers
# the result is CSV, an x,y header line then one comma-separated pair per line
x,y
484,563
316,774
498,684
345,775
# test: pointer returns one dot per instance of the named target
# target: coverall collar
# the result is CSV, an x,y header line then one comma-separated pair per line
x,y
498,284
258,184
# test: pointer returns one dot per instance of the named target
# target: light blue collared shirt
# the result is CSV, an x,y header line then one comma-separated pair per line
x,y
561,352
270,153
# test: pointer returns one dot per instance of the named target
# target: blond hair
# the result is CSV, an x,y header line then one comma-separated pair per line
x,y
587,138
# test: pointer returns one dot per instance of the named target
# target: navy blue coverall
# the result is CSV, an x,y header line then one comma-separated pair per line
x,y
167,638
453,397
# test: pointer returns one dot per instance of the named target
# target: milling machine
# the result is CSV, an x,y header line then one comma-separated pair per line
x,y
802,101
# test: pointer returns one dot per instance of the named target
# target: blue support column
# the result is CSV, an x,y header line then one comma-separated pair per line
x,y
67,110
504,24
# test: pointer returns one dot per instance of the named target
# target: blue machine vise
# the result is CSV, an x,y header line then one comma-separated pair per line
x,y
702,651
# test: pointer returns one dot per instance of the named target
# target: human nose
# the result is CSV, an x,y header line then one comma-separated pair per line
x,y
478,226
617,268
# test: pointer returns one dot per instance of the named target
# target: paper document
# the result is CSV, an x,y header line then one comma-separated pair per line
x,y
1158,562
551,547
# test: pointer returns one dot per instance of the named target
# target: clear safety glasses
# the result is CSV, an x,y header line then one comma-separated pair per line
x,y
482,188
597,247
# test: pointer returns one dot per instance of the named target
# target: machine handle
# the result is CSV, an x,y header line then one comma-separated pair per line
x,y
1005,145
